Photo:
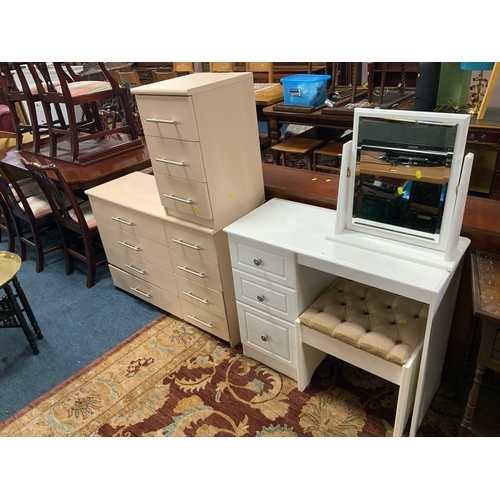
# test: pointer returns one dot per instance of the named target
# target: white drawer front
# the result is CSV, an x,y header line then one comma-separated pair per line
x,y
178,158
192,243
266,296
159,276
267,334
129,221
205,320
168,116
205,298
146,291
267,262
184,196
137,246
204,273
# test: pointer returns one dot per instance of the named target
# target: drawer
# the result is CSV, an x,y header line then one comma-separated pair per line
x,y
204,273
146,291
192,242
266,295
483,136
205,320
159,276
264,261
167,116
267,334
133,244
205,298
178,158
184,196
129,221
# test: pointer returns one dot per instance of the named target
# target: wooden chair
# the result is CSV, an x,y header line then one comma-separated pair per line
x,y
159,76
6,223
261,67
221,67
16,96
30,214
75,220
184,67
72,93
128,77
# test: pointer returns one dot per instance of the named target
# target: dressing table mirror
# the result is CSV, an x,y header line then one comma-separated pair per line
x,y
404,179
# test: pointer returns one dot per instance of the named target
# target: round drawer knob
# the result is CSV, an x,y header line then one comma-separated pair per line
x,y
260,297
472,136
483,138
264,337
257,262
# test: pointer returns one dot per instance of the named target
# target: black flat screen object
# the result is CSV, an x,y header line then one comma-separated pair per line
x,y
427,86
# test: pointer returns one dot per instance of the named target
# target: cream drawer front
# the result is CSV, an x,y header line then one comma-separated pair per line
x,y
138,246
266,296
201,296
178,158
204,320
267,334
146,291
184,196
168,116
204,273
140,268
129,221
266,262
192,243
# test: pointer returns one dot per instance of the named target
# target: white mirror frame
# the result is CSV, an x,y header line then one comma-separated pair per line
x,y
458,175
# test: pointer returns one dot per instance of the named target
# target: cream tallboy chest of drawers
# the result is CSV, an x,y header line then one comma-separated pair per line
x,y
162,233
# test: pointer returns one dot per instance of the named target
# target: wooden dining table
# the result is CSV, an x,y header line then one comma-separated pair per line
x,y
81,177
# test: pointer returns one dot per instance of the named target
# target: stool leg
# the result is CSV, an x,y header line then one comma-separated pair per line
x,y
27,307
21,319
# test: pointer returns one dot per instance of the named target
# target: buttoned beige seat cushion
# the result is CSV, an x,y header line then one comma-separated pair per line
x,y
379,322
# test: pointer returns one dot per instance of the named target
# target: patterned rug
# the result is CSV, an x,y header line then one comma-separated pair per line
x,y
172,379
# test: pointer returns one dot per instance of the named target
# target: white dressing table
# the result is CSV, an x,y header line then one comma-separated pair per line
x,y
285,254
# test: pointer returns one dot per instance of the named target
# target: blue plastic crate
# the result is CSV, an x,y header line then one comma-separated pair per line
x,y
305,90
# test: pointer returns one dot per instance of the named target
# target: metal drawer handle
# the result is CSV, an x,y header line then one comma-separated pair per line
x,y
129,223
125,244
257,262
160,120
175,198
171,162
189,294
194,318
184,268
194,247
147,295
130,266
264,337
260,297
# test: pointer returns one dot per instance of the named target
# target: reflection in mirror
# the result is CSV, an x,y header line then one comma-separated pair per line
x,y
402,174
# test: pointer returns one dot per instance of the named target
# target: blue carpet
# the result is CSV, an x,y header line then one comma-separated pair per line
x,y
78,324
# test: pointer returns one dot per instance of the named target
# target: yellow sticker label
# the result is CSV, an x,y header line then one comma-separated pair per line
x,y
418,174
230,195
403,321
195,210
400,190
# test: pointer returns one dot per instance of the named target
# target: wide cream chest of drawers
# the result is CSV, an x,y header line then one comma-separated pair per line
x,y
162,233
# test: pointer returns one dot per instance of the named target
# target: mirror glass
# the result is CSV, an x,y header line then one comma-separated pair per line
x,y
402,174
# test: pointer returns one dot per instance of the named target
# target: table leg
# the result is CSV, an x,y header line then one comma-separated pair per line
x,y
274,133
21,318
488,334
27,307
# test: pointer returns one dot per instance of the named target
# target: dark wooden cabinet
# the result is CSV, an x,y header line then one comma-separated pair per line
x,y
393,74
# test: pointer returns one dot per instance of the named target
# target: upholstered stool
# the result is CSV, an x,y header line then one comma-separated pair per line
x,y
299,145
378,331
13,306
333,149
